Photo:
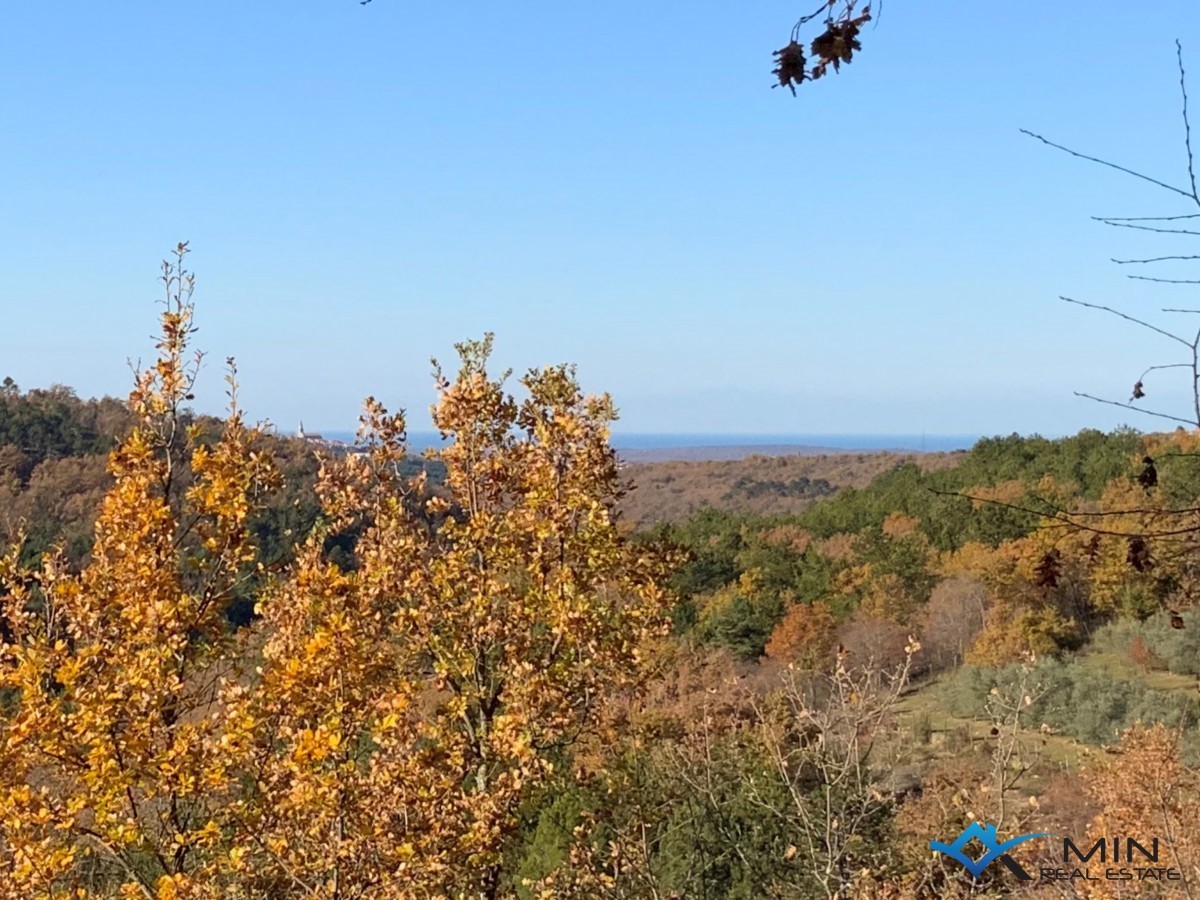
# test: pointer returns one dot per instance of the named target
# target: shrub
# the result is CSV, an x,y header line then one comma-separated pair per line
x,y
1173,650
1074,699
1143,657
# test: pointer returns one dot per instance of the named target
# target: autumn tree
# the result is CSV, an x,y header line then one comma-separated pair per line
x,y
406,707
806,636
892,576
377,726
1147,789
110,771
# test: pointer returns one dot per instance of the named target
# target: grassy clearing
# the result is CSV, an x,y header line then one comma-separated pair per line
x,y
1119,668
924,710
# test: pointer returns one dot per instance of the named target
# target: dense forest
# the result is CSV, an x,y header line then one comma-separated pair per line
x,y
234,665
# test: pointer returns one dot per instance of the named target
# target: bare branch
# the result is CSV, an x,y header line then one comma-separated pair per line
x,y
1167,366
1149,218
824,8
1110,513
1187,125
1102,162
1146,412
1128,318
1065,519
1153,259
1170,309
1118,224
1164,280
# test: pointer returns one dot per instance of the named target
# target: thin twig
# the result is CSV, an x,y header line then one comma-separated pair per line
x,y
1187,125
1146,412
804,20
1067,519
1116,224
1059,511
1150,218
1154,259
1102,162
1128,318
1167,366
1109,513
1164,280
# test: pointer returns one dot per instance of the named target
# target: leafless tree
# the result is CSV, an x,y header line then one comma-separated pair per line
x,y
1172,224
829,742
1161,539
951,620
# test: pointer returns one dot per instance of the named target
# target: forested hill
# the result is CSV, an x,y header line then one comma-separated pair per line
x,y
53,447
54,423
947,611
885,545
673,491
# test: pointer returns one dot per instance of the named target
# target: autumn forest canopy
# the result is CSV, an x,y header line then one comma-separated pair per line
x,y
234,664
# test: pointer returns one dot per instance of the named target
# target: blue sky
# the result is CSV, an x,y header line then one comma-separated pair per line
x,y
618,187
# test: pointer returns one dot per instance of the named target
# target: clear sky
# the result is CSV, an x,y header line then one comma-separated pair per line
x,y
615,185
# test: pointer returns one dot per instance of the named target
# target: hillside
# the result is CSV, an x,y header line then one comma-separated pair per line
x,y
959,610
756,485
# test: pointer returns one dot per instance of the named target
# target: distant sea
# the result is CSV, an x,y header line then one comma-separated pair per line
x,y
634,446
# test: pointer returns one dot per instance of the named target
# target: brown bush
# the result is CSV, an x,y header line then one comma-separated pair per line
x,y
1144,658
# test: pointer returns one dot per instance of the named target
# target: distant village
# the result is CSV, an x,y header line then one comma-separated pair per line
x,y
331,444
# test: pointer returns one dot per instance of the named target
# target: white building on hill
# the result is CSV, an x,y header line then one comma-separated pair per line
x,y
308,436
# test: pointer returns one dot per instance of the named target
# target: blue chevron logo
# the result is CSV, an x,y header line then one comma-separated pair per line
x,y
986,835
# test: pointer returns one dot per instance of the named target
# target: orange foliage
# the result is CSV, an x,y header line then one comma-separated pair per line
x,y
1010,635
791,536
1147,791
887,597
807,636
837,548
111,758
973,559
898,525
1004,492
1040,587
376,730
